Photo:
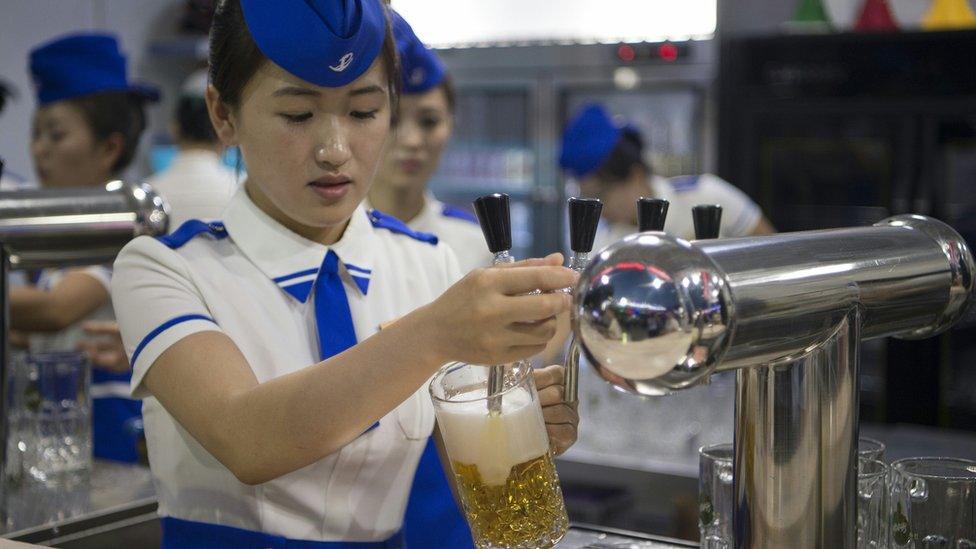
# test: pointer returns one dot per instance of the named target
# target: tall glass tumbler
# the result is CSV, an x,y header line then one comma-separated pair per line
x,y
56,418
933,503
502,464
872,504
715,496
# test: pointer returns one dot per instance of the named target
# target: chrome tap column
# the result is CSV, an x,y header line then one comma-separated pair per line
x,y
52,228
657,314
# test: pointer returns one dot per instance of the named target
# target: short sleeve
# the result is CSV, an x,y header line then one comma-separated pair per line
x,y
101,273
156,304
740,215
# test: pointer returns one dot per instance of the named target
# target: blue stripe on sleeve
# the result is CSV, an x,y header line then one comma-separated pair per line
x,y
162,328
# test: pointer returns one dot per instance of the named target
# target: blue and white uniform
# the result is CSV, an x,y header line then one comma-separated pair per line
x,y
740,215
433,518
255,281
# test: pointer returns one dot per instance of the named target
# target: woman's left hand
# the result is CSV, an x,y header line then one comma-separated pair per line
x,y
562,420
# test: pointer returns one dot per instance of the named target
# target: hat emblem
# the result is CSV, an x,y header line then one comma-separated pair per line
x,y
344,63
417,76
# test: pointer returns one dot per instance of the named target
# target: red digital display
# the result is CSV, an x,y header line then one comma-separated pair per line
x,y
668,51
626,53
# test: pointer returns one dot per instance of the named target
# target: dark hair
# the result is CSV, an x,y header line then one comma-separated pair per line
x,y
235,57
450,92
193,121
112,112
627,153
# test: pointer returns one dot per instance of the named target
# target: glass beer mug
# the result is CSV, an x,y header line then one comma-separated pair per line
x,y
502,465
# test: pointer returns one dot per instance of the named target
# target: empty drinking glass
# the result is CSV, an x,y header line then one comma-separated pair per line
x,y
872,496
933,503
715,496
869,448
50,417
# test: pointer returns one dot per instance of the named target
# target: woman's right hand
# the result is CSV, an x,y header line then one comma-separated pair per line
x,y
491,315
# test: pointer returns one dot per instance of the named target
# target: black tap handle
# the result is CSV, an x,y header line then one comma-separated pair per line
x,y
496,221
651,214
584,216
708,220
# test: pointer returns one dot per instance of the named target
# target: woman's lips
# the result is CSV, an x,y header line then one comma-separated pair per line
x,y
411,167
331,188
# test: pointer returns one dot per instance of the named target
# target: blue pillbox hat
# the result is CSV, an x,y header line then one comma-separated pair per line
x,y
589,139
420,67
328,43
82,64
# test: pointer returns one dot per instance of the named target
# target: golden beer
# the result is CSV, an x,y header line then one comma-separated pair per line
x,y
526,511
505,475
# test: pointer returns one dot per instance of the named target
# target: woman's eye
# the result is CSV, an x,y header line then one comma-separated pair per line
x,y
297,118
429,123
365,115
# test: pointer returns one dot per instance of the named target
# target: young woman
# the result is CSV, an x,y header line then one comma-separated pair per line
x,y
425,121
276,408
86,130
607,160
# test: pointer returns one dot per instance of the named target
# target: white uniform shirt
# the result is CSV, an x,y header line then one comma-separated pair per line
x,y
740,215
197,185
457,228
254,286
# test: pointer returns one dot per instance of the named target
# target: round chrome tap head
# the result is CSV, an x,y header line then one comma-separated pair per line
x,y
652,313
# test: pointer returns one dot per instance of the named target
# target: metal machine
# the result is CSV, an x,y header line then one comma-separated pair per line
x,y
656,314
53,228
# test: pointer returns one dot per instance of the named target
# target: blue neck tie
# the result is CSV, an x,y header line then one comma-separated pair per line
x,y
333,320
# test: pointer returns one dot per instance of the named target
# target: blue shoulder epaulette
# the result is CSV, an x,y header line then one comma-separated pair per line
x,y
385,221
458,213
684,183
191,228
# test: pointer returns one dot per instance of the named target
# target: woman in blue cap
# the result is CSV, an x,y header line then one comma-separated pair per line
x,y
86,131
607,160
277,411
425,121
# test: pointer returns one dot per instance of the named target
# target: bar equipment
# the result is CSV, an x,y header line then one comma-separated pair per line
x,y
651,214
584,216
656,314
933,503
502,464
708,220
869,448
496,224
50,228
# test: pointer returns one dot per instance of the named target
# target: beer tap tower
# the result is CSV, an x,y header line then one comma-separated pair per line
x,y
584,216
656,314
495,217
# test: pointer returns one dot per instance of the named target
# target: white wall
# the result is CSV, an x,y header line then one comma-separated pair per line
x,y
27,23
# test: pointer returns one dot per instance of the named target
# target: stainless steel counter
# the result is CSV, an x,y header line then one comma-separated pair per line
x,y
114,493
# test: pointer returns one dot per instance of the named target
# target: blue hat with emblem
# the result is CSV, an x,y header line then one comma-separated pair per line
x,y
82,64
328,43
589,139
420,67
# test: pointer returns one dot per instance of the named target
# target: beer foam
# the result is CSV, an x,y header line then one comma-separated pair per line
x,y
494,442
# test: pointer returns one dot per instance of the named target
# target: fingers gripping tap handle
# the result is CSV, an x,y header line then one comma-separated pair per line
x,y
651,214
584,216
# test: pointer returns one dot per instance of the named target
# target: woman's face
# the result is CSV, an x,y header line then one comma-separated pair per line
x,y
424,128
64,150
311,152
617,198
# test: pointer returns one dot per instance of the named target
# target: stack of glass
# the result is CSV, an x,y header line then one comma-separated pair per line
x,y
915,503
